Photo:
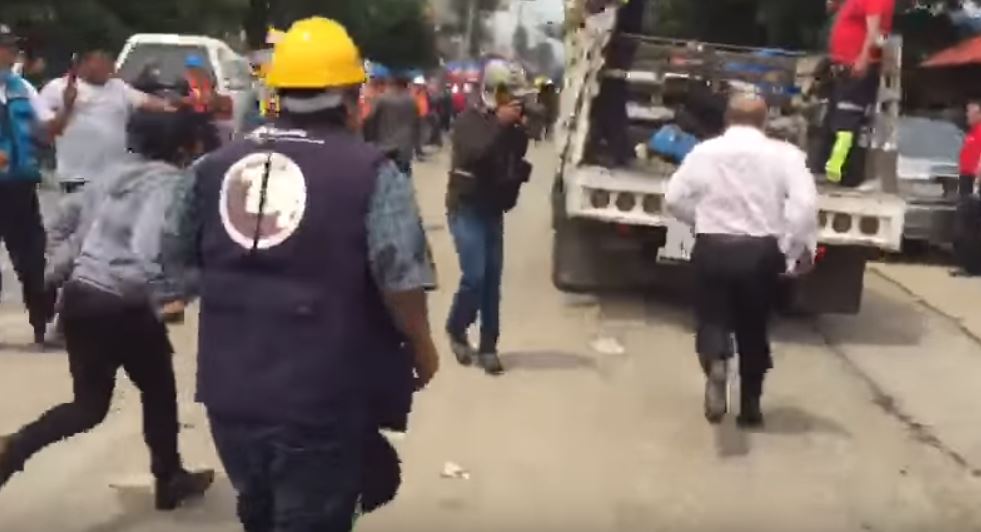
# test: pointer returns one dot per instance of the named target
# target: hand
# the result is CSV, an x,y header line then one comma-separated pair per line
x,y
173,312
70,96
861,67
509,114
426,365
804,266
4,159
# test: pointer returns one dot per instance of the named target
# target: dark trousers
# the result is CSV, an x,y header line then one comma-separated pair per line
x,y
294,479
22,230
966,186
71,187
479,239
736,280
102,335
848,111
609,116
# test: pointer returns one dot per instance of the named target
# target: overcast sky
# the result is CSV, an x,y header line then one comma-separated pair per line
x,y
550,9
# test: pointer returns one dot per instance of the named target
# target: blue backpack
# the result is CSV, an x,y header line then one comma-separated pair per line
x,y
17,126
673,143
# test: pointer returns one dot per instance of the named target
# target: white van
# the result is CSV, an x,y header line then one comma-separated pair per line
x,y
231,71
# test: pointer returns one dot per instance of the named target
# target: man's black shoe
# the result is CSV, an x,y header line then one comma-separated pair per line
x,y
716,391
491,363
750,415
173,492
462,350
750,419
39,335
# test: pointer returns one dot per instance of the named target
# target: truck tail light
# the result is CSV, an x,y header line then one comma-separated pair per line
x,y
820,254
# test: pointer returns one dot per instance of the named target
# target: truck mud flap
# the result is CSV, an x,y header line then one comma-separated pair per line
x,y
834,287
589,257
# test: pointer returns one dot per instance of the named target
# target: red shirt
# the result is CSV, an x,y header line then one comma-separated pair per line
x,y
971,152
851,27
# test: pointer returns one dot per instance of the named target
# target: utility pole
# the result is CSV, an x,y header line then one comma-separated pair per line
x,y
468,35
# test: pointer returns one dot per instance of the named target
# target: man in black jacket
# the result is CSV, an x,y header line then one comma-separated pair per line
x,y
489,146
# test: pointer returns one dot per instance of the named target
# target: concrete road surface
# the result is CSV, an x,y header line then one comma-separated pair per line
x,y
871,420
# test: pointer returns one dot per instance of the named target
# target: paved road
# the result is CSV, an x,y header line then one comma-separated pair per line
x,y
861,436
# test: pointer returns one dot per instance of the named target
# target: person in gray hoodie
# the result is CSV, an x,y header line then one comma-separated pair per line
x,y
118,267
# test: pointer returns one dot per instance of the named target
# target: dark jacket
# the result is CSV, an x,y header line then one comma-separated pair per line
x,y
488,167
115,235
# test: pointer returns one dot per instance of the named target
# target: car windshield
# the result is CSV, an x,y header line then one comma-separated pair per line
x,y
169,58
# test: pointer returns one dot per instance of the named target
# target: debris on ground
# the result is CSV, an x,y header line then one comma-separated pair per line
x,y
608,346
454,471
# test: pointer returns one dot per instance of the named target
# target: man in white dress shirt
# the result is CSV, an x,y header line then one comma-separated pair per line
x,y
753,204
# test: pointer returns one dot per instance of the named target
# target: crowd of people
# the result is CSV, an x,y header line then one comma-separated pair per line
x,y
302,239
304,242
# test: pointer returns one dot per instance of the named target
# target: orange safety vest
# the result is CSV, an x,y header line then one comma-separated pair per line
x,y
201,93
422,102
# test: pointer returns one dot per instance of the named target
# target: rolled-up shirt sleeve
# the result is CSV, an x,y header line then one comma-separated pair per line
x,y
682,196
397,246
801,211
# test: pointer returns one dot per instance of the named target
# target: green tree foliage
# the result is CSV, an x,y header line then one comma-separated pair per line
x,y
394,31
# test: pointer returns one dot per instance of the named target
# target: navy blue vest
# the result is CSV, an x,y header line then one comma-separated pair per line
x,y
292,325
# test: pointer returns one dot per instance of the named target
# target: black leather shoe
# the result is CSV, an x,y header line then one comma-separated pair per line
x,y
175,491
716,391
491,363
750,414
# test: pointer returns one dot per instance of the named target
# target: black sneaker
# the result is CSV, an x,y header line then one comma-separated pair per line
x,y
716,384
491,363
172,493
464,352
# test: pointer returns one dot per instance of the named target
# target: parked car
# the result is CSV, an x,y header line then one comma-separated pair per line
x,y
168,53
928,170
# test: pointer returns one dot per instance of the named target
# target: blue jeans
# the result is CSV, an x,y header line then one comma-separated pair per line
x,y
293,479
479,239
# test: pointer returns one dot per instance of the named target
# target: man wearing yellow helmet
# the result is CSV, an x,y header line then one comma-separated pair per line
x,y
313,307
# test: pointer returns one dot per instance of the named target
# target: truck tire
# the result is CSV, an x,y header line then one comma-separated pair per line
x,y
834,287
575,267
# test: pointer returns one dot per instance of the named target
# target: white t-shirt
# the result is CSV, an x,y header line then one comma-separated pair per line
x,y
95,136
41,110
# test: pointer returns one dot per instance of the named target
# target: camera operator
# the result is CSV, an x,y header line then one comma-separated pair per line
x,y
489,145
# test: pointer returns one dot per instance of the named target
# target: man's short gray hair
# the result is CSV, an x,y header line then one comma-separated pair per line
x,y
747,109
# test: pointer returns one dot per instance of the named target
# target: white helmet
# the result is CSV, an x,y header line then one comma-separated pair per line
x,y
502,75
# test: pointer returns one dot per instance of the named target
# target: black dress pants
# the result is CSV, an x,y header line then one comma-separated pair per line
x,y
736,279
103,335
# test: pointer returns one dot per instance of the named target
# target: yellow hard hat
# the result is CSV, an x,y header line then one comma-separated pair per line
x,y
316,53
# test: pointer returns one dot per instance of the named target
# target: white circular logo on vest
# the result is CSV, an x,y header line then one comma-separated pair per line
x,y
241,200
